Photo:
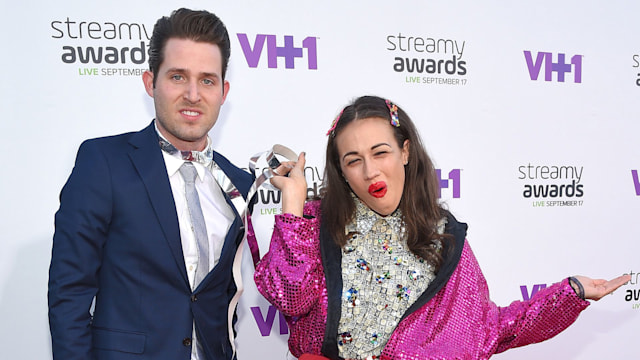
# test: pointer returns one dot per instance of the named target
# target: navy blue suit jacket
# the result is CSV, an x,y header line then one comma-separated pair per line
x,y
117,239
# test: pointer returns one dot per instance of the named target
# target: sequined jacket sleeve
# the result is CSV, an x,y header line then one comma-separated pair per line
x,y
542,317
290,276
461,321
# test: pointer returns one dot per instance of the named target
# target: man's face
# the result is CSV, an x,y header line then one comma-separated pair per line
x,y
188,92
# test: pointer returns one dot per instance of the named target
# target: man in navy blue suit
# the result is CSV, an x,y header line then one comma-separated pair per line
x,y
124,233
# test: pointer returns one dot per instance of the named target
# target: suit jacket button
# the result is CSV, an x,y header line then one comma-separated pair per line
x,y
186,342
194,298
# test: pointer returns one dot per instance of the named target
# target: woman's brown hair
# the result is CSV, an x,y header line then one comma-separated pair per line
x,y
419,204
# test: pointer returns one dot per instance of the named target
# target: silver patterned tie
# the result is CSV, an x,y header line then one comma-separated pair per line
x,y
189,174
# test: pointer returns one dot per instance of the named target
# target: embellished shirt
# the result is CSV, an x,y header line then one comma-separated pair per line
x,y
381,278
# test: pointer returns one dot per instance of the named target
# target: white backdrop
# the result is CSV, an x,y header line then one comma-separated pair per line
x,y
490,120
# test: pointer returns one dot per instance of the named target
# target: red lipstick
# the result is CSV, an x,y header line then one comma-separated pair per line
x,y
378,189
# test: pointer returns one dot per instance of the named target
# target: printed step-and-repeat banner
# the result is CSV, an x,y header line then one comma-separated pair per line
x,y
530,112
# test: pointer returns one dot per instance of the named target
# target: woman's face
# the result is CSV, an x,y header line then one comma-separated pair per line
x,y
373,163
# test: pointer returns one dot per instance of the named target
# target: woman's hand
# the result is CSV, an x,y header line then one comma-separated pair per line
x,y
291,182
595,289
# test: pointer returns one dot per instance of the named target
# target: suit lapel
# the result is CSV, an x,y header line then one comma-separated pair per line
x,y
148,161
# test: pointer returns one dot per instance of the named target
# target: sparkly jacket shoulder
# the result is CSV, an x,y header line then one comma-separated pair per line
x,y
454,318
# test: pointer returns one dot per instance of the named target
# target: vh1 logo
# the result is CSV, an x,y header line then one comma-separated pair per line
x,y
452,180
560,67
526,295
265,323
289,51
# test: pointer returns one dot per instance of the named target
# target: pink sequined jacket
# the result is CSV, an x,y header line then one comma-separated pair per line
x,y
452,319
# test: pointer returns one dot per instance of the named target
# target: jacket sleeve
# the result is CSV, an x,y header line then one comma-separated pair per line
x,y
461,321
546,314
290,276
81,227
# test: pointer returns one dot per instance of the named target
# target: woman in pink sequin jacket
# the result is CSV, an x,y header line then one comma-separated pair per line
x,y
378,269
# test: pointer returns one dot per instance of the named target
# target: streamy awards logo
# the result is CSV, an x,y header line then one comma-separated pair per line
x,y
632,294
107,48
552,185
428,60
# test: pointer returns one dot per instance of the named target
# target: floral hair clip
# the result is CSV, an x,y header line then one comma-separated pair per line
x,y
335,123
393,111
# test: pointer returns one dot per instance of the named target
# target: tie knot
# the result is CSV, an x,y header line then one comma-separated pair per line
x,y
188,172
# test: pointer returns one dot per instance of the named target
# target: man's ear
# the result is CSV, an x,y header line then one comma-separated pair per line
x,y
147,79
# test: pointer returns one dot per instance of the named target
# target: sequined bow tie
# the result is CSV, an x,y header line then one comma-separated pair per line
x,y
204,157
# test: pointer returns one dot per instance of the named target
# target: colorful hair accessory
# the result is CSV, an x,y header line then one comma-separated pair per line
x,y
393,111
335,123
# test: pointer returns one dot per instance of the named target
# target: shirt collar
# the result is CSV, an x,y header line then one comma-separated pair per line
x,y
173,165
205,157
174,161
365,219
